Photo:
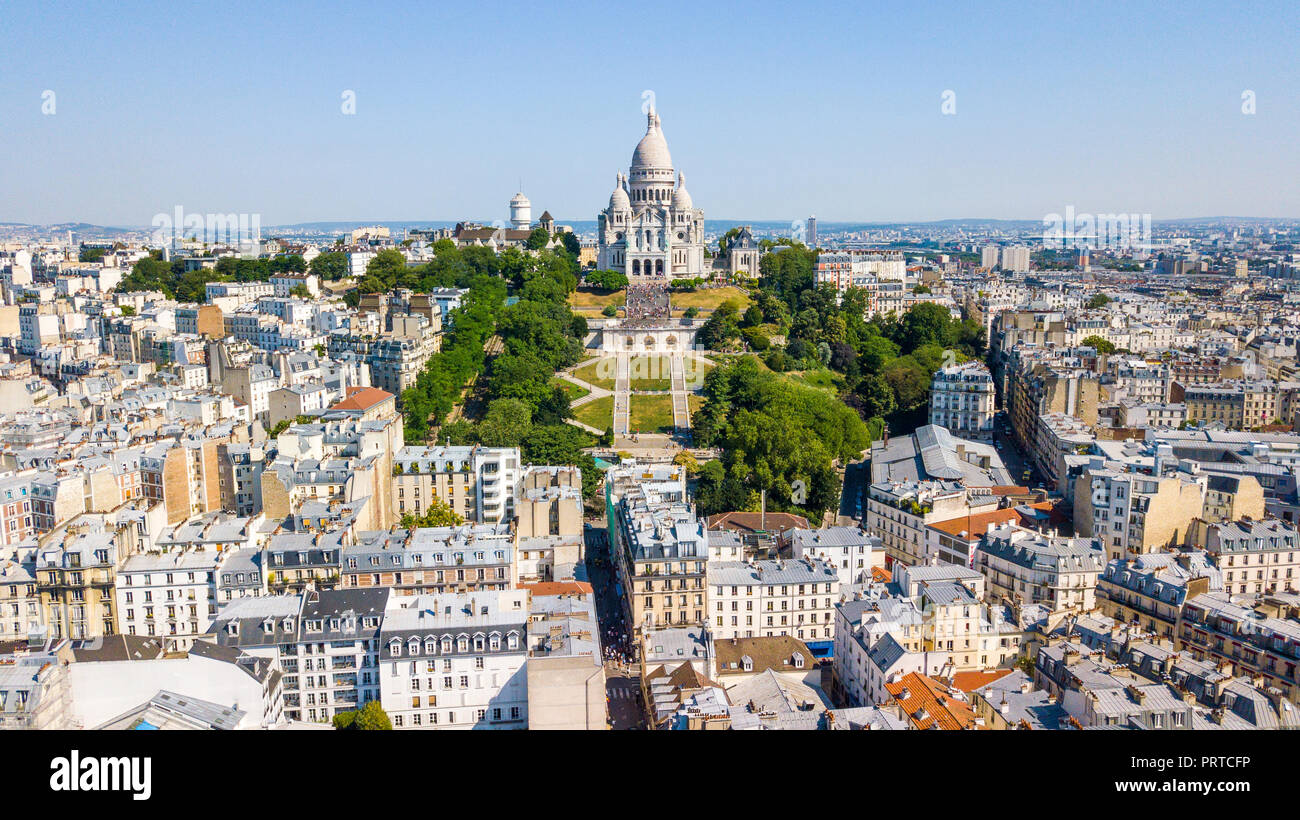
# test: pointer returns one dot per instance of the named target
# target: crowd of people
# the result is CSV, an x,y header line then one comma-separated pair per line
x,y
647,302
617,648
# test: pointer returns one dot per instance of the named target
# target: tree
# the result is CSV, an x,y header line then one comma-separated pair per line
x,y
301,291
370,717
439,514
572,245
1097,343
876,396
924,323
538,239
606,279
772,431
506,423
609,310
1098,301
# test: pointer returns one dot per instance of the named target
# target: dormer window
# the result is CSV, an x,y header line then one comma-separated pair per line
x,y
395,647
430,646
462,644
413,646
747,663
446,644
268,625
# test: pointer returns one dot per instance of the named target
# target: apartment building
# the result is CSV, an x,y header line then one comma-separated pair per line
x,y
170,595
20,603
1041,388
791,598
478,483
464,558
1238,405
325,642
1133,513
1149,590
850,550
900,512
660,546
1031,567
1258,637
76,576
456,661
962,400
1255,556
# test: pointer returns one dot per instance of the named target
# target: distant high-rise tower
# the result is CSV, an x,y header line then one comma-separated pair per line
x,y
1085,264
811,233
1015,259
989,257
521,212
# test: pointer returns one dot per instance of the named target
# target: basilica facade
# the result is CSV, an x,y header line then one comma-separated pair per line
x,y
652,231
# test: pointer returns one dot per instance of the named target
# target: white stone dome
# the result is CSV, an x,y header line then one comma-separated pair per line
x,y
520,199
618,200
681,196
652,151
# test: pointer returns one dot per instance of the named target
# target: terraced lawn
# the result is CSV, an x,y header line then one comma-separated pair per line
x,y
650,373
708,299
592,301
573,391
598,413
651,414
600,372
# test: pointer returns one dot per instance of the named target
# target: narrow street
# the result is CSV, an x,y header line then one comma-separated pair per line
x,y
622,680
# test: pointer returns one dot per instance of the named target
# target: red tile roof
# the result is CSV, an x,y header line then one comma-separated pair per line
x,y
362,398
558,587
928,705
753,522
970,681
976,525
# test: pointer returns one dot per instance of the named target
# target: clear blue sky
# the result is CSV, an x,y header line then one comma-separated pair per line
x,y
773,110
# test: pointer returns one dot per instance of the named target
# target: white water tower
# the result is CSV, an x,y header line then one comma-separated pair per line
x,y
521,212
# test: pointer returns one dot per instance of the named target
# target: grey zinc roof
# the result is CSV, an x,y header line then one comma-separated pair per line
x,y
741,573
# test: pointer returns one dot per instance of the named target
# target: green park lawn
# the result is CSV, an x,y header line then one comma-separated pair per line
x,y
599,372
651,414
598,414
573,391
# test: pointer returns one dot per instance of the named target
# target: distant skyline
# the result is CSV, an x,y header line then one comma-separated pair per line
x,y
774,111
